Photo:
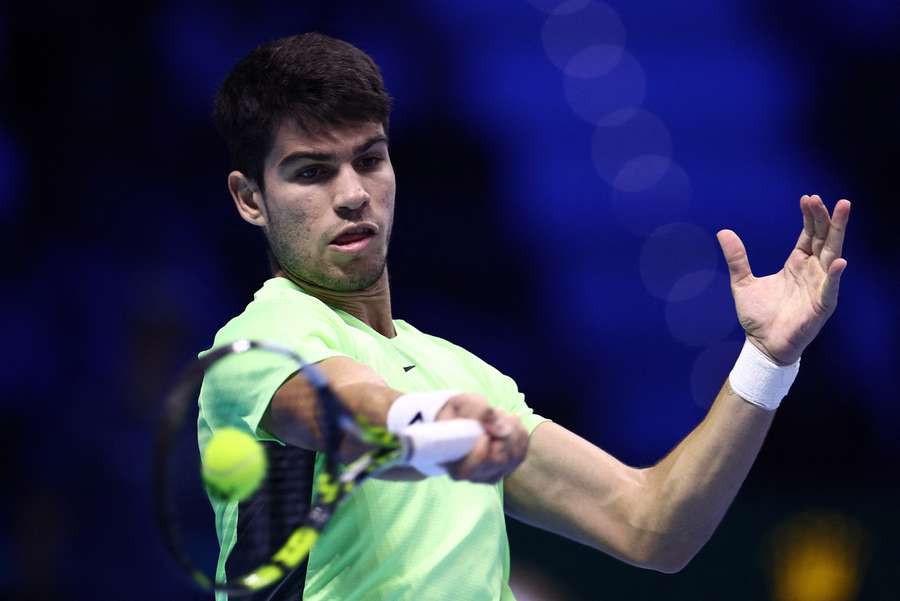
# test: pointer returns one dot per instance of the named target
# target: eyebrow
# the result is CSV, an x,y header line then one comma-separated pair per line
x,y
325,157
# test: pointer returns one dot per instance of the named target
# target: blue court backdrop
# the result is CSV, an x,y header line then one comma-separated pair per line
x,y
562,170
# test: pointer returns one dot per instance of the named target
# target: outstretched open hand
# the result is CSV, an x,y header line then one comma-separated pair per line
x,y
783,312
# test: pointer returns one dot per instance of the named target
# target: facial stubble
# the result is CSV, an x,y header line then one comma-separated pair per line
x,y
357,275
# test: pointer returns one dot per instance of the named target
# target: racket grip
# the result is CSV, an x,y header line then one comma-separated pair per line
x,y
427,445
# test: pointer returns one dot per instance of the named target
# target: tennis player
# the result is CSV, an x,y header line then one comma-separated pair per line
x,y
306,121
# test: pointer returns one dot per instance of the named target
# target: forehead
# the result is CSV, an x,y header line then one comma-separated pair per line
x,y
340,141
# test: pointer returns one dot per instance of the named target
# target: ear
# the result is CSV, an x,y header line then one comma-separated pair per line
x,y
247,198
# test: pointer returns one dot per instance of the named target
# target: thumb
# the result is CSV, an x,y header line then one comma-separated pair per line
x,y
735,256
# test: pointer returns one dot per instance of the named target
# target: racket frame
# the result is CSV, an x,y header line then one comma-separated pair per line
x,y
332,484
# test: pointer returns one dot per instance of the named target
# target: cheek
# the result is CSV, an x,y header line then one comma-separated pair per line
x,y
292,222
392,185
386,190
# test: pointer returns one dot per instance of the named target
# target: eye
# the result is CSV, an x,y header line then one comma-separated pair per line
x,y
370,162
310,173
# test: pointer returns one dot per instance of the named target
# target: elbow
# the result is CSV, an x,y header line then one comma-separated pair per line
x,y
669,565
667,558
658,541
664,554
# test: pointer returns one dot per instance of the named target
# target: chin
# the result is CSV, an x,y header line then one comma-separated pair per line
x,y
353,280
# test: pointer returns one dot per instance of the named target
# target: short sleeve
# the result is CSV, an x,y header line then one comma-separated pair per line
x,y
504,392
237,390
513,401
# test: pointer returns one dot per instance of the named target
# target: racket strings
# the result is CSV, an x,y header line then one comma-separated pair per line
x,y
270,521
278,507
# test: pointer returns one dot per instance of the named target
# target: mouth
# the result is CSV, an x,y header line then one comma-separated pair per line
x,y
354,238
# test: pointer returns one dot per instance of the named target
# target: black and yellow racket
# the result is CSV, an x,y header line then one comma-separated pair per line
x,y
279,524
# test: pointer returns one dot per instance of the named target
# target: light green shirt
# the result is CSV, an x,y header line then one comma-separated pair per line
x,y
436,539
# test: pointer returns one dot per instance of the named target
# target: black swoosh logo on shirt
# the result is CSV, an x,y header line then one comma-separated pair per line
x,y
408,367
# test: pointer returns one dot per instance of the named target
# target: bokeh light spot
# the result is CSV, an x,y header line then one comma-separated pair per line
x,y
575,26
594,61
639,133
641,173
600,99
650,191
701,318
673,251
818,556
711,369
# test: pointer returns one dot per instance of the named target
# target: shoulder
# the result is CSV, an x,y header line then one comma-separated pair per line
x,y
281,293
278,296
281,311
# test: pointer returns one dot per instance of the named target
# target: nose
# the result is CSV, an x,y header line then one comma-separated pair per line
x,y
350,194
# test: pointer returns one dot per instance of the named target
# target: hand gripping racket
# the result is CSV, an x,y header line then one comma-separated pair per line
x,y
279,524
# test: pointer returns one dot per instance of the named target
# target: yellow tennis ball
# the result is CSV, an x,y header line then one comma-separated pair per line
x,y
234,464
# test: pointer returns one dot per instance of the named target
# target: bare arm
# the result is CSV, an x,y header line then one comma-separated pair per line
x,y
694,485
659,517
291,416
292,413
656,517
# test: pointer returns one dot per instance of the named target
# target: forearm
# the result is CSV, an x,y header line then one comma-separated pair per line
x,y
655,517
689,491
291,417
292,414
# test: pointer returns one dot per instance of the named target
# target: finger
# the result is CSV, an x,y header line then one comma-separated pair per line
x,y
499,450
466,467
821,224
501,427
492,420
510,452
735,256
832,283
465,405
496,464
504,457
522,444
804,243
834,243
482,412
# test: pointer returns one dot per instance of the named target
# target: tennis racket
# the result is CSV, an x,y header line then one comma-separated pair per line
x,y
279,524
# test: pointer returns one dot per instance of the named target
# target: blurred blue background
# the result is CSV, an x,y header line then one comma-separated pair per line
x,y
562,171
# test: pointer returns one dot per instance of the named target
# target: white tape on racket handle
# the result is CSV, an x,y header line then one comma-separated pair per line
x,y
428,445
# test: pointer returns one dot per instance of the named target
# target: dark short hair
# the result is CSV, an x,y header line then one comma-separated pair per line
x,y
315,80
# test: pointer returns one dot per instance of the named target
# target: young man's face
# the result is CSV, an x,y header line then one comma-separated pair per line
x,y
309,201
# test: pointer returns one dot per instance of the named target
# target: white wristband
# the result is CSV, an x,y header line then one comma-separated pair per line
x,y
760,381
417,406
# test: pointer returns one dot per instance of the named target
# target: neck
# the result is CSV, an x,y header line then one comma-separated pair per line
x,y
370,305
